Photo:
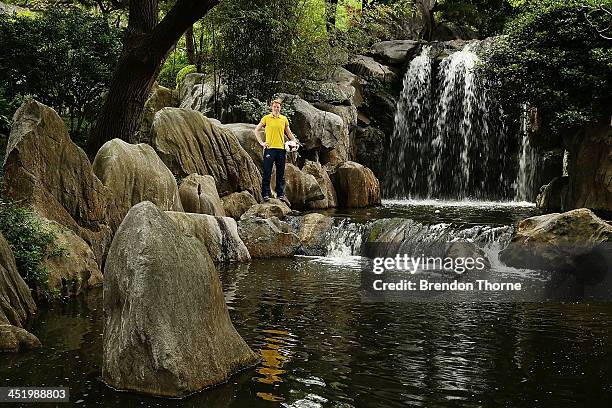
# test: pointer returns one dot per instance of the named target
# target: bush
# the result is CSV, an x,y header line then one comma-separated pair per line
x,y
63,58
175,63
31,244
180,76
554,59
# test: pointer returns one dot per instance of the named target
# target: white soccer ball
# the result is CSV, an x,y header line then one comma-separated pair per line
x,y
291,146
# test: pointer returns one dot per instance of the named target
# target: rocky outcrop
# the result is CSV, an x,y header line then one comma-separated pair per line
x,y
552,197
356,186
312,233
199,195
394,52
327,187
160,97
331,92
197,92
14,339
300,188
368,67
370,149
273,208
345,78
218,234
188,142
344,150
246,138
268,237
167,331
16,303
45,170
315,128
10,9
135,173
558,242
590,169
74,270
236,204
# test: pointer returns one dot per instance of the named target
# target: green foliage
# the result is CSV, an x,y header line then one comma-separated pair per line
x,y
61,57
554,59
7,108
251,110
485,17
180,76
31,244
174,64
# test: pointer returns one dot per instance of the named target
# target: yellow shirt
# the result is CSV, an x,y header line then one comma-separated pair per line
x,y
275,130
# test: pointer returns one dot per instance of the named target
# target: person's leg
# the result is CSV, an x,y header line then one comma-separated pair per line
x,y
268,161
280,172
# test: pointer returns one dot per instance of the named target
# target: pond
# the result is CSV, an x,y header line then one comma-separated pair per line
x,y
321,346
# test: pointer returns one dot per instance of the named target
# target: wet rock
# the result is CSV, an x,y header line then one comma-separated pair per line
x,y
14,339
463,249
368,67
356,186
135,173
75,270
313,233
327,187
167,331
218,234
558,242
395,52
188,142
199,195
16,303
300,188
45,170
553,196
273,208
268,237
236,204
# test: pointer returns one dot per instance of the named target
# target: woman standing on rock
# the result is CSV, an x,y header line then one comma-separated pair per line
x,y
276,127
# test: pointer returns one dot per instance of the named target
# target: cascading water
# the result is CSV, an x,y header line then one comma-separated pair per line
x,y
345,239
450,140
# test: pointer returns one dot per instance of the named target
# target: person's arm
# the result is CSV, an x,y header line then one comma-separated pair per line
x,y
288,132
260,126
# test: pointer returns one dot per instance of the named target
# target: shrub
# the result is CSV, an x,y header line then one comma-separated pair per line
x,y
180,76
174,64
31,244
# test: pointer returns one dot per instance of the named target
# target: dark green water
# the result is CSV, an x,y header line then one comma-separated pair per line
x,y
322,347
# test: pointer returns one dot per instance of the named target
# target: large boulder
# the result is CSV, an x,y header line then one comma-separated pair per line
x,y
244,132
197,92
268,237
313,233
188,142
356,186
327,187
45,170
300,188
159,98
236,204
590,169
273,208
167,330
395,52
74,270
16,302
346,79
218,234
331,92
14,339
368,67
199,195
135,173
314,127
553,196
344,150
559,241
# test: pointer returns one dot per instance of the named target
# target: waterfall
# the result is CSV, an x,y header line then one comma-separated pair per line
x,y
345,239
527,163
450,140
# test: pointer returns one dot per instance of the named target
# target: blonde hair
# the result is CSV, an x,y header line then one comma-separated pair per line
x,y
276,101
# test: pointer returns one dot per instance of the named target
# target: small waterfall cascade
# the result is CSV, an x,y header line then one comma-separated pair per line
x,y
345,239
527,163
450,139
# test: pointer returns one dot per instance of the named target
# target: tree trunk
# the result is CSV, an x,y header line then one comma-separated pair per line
x,y
190,46
145,47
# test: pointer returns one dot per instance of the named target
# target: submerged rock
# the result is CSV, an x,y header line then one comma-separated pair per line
x,y
236,204
268,237
356,186
188,142
218,234
199,195
167,329
14,339
45,170
559,242
135,173
16,302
